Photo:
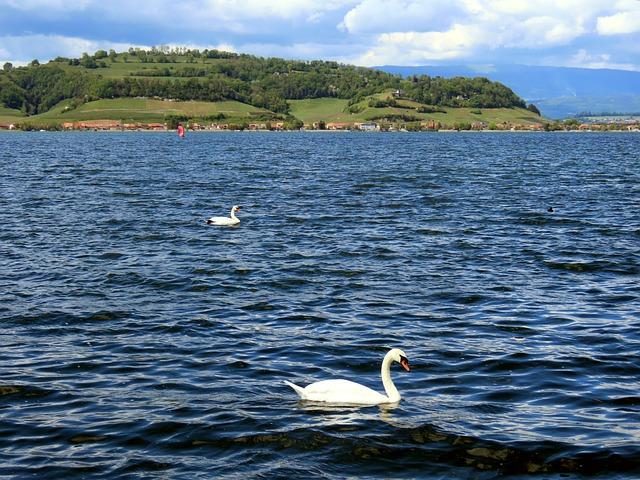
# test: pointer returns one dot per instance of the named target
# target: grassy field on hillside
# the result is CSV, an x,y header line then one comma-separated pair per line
x,y
152,110
122,69
322,109
309,111
144,110
520,116
335,110
9,115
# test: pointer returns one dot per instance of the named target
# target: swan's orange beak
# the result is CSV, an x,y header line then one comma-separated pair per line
x,y
405,363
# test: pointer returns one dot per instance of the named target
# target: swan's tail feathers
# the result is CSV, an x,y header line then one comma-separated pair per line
x,y
299,390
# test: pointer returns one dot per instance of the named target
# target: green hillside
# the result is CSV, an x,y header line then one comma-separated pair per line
x,y
336,110
151,85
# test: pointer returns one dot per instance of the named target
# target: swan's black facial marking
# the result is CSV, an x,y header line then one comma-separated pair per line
x,y
404,361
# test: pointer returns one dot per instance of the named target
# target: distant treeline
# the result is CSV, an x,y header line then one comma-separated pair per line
x,y
213,75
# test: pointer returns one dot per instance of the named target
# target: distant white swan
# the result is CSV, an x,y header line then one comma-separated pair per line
x,y
232,220
345,392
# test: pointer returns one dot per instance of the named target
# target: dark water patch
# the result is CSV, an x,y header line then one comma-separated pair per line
x,y
436,200
87,438
142,465
431,232
459,298
262,306
52,470
418,450
286,284
112,255
514,327
57,319
628,404
18,392
594,266
618,298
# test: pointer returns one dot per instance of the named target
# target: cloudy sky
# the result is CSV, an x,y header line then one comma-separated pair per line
x,y
577,33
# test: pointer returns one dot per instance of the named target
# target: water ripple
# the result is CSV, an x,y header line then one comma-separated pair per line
x,y
138,342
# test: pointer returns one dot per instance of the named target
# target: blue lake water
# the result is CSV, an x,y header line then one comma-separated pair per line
x,y
138,342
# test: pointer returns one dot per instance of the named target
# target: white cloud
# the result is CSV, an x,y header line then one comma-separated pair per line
x,y
384,16
619,23
413,31
285,9
366,32
303,50
545,31
413,48
242,16
21,49
584,59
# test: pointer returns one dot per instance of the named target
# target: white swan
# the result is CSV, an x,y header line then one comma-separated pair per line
x,y
345,392
232,220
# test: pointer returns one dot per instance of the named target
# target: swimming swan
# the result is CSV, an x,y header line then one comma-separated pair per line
x,y
232,220
345,392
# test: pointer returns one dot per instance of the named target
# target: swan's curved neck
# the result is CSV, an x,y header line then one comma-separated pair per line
x,y
389,387
233,214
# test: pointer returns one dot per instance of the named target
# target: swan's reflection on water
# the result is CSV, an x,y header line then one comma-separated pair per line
x,y
345,415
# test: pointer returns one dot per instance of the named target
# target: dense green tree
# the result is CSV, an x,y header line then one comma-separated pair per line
x,y
532,108
173,121
88,62
43,87
11,95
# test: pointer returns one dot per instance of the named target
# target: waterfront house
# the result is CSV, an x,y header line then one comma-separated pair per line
x,y
338,126
367,126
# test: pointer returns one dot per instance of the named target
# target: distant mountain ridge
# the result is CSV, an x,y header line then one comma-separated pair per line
x,y
557,91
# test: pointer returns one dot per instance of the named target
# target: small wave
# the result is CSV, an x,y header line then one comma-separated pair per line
x,y
58,319
595,266
112,255
460,298
263,306
286,284
538,219
431,232
517,329
143,465
87,438
366,186
435,200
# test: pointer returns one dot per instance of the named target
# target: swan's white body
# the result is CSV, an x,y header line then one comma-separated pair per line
x,y
345,392
226,221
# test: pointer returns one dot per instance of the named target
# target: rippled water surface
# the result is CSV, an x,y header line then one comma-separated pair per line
x,y
138,342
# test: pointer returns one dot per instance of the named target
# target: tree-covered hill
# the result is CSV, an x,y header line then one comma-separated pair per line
x,y
213,75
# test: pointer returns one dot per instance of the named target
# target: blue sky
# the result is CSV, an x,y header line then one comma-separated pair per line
x,y
574,33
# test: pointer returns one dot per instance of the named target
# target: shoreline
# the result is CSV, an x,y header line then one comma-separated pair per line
x,y
199,132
